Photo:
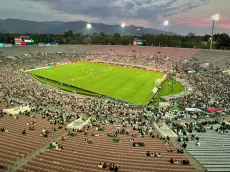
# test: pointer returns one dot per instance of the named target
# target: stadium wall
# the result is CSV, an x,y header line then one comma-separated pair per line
x,y
37,69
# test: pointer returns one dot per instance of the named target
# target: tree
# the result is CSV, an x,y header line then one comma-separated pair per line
x,y
116,38
127,39
96,39
68,34
191,34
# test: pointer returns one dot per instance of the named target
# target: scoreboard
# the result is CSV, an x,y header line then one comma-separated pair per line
x,y
23,40
138,43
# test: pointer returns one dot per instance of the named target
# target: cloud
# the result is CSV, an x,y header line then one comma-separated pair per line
x,y
183,15
224,23
131,9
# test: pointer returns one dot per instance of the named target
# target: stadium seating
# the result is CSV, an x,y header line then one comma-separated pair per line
x,y
80,156
177,54
214,150
17,51
215,57
148,51
121,49
108,49
14,145
166,51
132,50
93,49
183,53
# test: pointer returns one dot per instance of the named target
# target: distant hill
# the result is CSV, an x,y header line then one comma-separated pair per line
x,y
58,27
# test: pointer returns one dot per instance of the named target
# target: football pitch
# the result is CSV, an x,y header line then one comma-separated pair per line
x,y
127,84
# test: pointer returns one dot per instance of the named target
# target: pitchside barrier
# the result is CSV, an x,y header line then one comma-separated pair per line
x,y
41,44
37,68
1,45
48,45
8,45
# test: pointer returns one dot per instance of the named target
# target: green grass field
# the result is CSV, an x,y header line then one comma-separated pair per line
x,y
127,84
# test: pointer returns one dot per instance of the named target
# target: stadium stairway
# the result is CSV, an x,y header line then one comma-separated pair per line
x,y
213,152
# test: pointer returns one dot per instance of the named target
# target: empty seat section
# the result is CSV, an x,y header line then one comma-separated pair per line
x,y
183,53
121,49
165,51
94,49
108,49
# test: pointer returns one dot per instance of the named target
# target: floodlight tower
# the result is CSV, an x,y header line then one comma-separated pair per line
x,y
122,28
89,26
166,23
214,18
138,30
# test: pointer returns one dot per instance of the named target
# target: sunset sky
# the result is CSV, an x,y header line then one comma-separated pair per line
x,y
184,16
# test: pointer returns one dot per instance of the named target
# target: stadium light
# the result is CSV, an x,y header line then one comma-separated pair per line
x,y
89,26
215,17
122,27
122,24
166,23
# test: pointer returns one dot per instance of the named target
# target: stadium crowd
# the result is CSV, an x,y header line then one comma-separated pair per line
x,y
211,88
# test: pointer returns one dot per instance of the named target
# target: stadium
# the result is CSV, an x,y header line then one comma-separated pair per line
x,y
99,108
127,83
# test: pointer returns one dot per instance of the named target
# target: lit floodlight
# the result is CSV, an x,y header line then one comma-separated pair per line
x,y
216,17
166,23
123,25
89,26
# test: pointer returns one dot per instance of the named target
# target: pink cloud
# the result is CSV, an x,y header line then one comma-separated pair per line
x,y
223,23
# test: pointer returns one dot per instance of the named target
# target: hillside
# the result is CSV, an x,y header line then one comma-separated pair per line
x,y
58,27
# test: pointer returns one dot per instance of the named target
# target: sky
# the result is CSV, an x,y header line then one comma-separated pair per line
x,y
184,16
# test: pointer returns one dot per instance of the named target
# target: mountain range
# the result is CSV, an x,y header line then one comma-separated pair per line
x,y
59,27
